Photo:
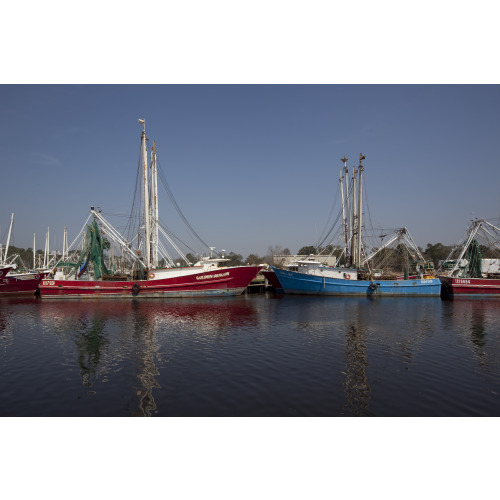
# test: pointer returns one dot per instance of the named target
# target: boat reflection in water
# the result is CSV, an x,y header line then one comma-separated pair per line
x,y
254,355
472,318
356,387
111,335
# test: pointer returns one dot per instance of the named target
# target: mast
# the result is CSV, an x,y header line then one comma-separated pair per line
x,y
344,210
145,197
34,252
360,209
354,220
348,211
8,238
154,206
65,245
344,225
46,253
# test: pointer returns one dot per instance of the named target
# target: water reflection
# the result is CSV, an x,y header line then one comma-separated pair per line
x,y
5,321
8,308
146,350
343,321
472,319
90,341
477,328
250,356
114,336
355,382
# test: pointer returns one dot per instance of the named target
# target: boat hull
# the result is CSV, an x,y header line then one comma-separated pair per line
x,y
272,279
470,287
220,282
25,284
305,284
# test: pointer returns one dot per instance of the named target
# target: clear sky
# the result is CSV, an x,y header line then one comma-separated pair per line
x,y
251,165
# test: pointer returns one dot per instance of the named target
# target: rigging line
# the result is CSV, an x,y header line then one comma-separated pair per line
x,y
167,230
330,231
118,215
367,205
165,255
167,189
134,210
337,192
79,234
177,249
336,240
332,227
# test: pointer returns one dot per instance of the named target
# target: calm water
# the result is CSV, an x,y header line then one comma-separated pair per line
x,y
254,355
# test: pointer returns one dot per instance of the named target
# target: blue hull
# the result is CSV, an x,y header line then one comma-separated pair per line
x,y
300,283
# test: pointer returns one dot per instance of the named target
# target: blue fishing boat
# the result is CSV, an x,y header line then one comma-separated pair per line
x,y
363,272
316,279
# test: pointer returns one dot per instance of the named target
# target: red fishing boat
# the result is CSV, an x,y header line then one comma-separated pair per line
x,y
16,283
473,267
21,283
149,271
219,281
470,287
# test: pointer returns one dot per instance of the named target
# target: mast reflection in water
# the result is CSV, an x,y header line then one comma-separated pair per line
x,y
254,355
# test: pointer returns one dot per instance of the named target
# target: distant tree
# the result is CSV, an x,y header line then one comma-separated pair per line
x,y
235,259
307,250
192,258
329,250
436,252
286,251
253,259
24,259
489,252
274,256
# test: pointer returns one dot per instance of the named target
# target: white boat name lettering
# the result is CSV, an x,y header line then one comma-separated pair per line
x,y
211,276
462,282
50,283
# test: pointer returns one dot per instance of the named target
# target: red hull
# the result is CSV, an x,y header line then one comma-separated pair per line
x,y
470,287
273,279
25,284
223,281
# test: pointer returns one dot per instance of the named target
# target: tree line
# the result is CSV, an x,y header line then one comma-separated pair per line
x,y
433,253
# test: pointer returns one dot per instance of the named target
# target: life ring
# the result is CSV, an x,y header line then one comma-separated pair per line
x,y
136,288
347,276
37,276
151,275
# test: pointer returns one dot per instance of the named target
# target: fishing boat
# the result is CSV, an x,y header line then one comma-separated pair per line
x,y
13,282
472,269
359,275
151,272
20,283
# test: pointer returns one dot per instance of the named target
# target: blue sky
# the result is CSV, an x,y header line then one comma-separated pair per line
x,y
251,165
